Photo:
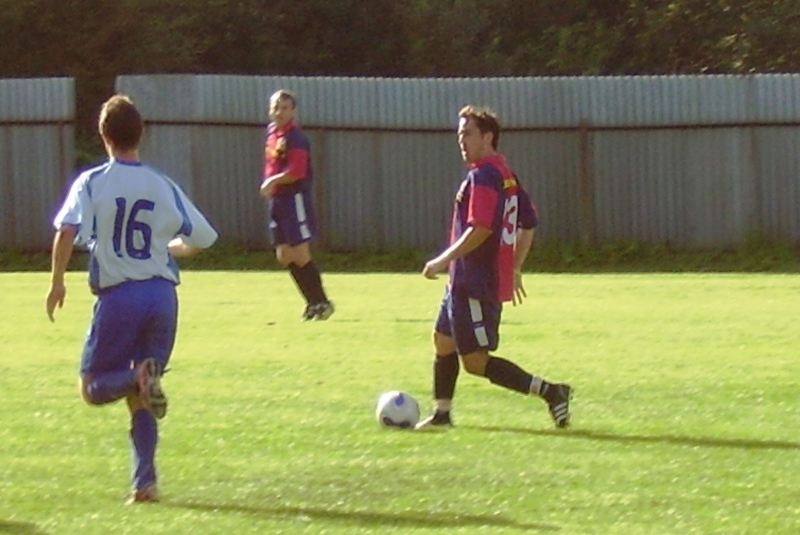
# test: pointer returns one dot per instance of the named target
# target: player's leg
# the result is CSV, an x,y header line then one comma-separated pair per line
x,y
285,258
150,402
307,277
144,439
477,325
157,340
106,373
106,387
445,370
292,230
279,224
301,231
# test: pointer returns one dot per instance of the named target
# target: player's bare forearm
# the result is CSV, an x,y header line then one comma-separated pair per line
x,y
63,243
522,246
179,249
62,251
468,242
274,181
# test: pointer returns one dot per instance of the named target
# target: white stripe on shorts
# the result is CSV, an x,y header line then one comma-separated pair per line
x,y
476,312
301,216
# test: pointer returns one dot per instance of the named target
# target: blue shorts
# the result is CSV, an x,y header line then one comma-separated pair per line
x,y
291,219
472,323
132,321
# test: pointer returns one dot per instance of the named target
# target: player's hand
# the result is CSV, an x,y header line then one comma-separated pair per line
x,y
265,190
519,289
433,268
55,297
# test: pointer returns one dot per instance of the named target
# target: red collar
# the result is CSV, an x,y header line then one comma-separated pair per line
x,y
291,124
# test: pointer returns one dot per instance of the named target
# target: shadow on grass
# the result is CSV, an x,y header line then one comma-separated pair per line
x,y
19,528
588,434
366,518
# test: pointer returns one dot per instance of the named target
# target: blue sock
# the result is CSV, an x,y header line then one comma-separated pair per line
x,y
144,437
110,386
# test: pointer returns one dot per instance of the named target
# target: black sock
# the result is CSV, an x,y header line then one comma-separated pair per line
x,y
312,281
445,374
296,270
507,374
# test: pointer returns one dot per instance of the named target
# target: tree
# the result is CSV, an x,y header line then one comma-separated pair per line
x,y
97,41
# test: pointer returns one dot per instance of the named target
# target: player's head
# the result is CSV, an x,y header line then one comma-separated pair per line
x,y
120,123
282,106
478,132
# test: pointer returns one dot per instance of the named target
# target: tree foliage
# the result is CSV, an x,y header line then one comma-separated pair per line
x,y
96,41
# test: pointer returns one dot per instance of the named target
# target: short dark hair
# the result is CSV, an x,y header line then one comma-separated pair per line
x,y
121,122
485,119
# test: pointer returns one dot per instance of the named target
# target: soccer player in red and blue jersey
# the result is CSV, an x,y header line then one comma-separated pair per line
x,y
287,184
492,231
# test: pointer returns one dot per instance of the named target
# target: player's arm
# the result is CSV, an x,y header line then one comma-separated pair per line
x,y
526,232
296,169
522,247
180,249
63,243
468,242
481,212
276,180
195,234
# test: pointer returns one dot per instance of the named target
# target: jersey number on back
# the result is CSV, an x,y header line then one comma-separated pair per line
x,y
510,214
130,227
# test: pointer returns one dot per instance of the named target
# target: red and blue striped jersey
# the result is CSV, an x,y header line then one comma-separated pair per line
x,y
490,196
287,149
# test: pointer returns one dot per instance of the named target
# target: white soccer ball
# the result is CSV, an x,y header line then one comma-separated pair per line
x,y
397,409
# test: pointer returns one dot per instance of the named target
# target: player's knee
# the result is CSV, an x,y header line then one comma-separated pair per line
x,y
301,254
283,258
443,344
293,254
85,383
475,363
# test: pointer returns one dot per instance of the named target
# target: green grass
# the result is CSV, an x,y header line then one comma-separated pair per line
x,y
686,415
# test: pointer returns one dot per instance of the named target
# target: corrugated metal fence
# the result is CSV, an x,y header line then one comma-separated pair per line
x,y
693,160
37,153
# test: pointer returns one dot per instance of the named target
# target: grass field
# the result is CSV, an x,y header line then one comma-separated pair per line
x,y
686,418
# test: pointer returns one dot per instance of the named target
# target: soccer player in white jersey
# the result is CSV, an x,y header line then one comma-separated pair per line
x,y
134,222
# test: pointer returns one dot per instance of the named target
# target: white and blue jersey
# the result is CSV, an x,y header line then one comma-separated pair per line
x,y
126,214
